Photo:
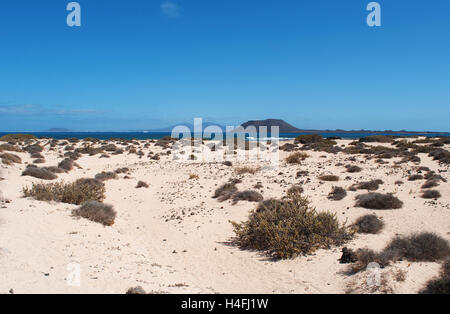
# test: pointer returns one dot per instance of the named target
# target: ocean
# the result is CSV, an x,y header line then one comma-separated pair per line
x,y
158,135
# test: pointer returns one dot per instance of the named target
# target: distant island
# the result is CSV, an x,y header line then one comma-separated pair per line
x,y
288,128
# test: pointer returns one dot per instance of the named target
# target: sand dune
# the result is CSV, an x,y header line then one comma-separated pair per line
x,y
173,237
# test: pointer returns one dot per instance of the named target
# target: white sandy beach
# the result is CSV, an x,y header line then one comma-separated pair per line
x,y
172,237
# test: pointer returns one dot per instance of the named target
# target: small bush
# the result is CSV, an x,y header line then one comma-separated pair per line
x,y
141,184
377,139
76,193
37,155
420,247
136,290
228,163
10,148
329,178
415,177
225,192
430,184
17,137
308,139
369,224
97,212
39,161
289,227
440,285
353,169
431,194
243,170
122,170
40,173
337,194
66,164
193,177
250,196
296,158
368,185
8,158
378,201
295,189
105,176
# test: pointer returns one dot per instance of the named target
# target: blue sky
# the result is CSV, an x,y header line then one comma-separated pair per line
x,y
142,64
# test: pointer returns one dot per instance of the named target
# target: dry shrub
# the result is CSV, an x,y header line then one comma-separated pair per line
x,y
431,194
193,177
54,169
415,177
244,170
136,290
441,284
377,139
372,185
10,148
370,224
8,158
289,227
37,155
141,184
122,170
66,164
330,178
337,194
378,201
250,196
76,193
420,247
308,139
39,161
296,158
96,212
105,176
225,192
430,184
353,169
40,173
17,137
295,189
228,163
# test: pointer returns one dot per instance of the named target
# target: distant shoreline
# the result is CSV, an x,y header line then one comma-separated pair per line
x,y
158,135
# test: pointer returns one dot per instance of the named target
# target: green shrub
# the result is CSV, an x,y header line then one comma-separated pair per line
x,y
76,193
378,201
96,212
289,227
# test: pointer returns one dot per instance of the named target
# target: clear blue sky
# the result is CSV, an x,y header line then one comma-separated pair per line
x,y
140,64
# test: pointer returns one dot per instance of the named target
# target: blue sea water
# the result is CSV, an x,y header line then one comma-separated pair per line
x,y
158,135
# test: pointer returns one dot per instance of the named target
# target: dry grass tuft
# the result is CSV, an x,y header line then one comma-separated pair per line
x,y
96,212
76,193
244,170
370,224
296,158
378,201
40,173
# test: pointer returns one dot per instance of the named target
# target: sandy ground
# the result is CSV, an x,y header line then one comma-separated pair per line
x,y
173,237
